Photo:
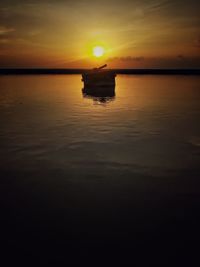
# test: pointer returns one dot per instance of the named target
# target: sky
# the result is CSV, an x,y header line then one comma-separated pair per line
x,y
134,33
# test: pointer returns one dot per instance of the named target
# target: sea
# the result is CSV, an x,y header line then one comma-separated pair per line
x,y
100,180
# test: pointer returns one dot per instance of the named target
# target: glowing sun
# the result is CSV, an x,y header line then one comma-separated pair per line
x,y
98,51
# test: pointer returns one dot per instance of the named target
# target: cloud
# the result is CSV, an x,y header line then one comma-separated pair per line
x,y
6,36
5,30
180,57
197,43
128,58
4,41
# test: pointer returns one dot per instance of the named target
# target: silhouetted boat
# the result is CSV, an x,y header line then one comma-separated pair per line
x,y
99,91
99,79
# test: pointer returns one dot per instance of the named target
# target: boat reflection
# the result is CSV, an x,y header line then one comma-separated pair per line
x,y
100,95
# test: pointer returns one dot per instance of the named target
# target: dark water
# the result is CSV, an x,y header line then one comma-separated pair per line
x,y
101,181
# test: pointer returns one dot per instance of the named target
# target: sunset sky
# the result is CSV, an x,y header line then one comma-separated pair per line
x,y
134,33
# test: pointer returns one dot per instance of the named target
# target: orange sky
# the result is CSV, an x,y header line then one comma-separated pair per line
x,y
135,34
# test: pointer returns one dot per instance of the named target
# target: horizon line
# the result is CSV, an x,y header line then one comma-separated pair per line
x,y
163,71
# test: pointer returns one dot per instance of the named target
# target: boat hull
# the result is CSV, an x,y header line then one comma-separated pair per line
x,y
99,91
99,79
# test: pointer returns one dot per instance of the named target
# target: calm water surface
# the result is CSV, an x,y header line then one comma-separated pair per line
x,y
82,174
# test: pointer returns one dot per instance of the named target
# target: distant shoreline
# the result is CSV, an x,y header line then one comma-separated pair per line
x,y
117,71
